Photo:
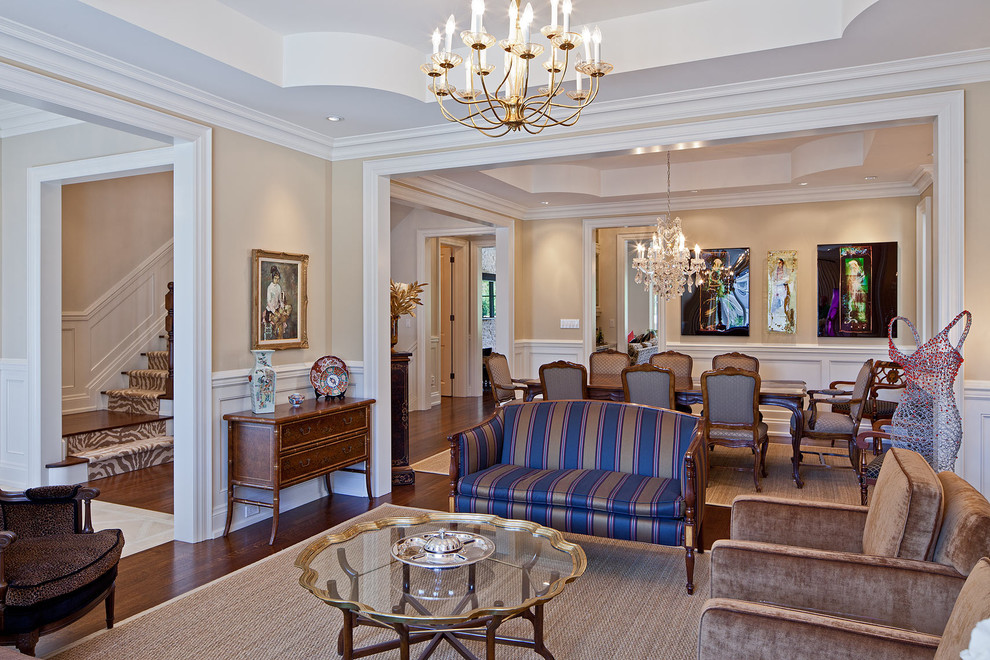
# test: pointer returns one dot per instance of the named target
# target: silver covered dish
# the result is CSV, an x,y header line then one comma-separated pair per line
x,y
443,549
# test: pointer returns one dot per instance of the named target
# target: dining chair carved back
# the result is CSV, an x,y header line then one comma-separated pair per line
x,y
888,378
680,363
737,360
504,387
731,399
648,385
608,363
563,380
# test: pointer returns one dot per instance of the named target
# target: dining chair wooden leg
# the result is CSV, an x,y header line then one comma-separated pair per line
x,y
756,470
763,459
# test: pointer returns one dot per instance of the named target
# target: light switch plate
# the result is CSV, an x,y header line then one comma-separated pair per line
x,y
570,323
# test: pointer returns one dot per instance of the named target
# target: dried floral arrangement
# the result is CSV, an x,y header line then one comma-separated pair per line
x,y
405,298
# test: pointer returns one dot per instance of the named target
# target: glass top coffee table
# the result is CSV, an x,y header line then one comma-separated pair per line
x,y
440,577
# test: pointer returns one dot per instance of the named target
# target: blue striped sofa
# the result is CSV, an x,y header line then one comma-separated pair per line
x,y
618,470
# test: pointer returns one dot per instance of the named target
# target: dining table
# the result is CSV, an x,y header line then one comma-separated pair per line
x,y
787,394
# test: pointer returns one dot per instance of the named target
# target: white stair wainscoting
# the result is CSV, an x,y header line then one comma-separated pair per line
x,y
107,338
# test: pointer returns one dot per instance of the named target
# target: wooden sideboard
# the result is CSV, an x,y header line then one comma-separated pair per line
x,y
271,451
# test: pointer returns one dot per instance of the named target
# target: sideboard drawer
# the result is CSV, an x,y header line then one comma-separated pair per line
x,y
317,428
315,461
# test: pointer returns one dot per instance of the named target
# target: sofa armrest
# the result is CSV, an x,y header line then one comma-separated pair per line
x,y
848,585
475,449
737,629
822,525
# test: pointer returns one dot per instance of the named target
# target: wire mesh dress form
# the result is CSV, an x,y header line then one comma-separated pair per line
x,y
927,419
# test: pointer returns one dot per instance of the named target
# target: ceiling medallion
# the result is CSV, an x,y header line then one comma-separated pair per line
x,y
505,103
666,266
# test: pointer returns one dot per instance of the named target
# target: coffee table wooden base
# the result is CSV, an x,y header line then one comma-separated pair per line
x,y
480,629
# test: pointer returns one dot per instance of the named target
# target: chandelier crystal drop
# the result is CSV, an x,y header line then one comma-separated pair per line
x,y
497,104
665,267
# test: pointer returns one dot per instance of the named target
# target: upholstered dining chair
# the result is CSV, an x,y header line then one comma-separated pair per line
x,y
887,377
608,364
55,568
832,426
682,365
564,380
504,387
648,385
731,398
737,360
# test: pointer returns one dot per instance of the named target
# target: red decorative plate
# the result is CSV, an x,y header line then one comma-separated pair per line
x,y
329,376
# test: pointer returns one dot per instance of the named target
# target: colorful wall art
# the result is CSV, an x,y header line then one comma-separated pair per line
x,y
782,291
720,306
857,289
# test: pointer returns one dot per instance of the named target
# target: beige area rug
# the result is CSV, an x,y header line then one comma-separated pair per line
x,y
630,603
436,464
142,529
837,484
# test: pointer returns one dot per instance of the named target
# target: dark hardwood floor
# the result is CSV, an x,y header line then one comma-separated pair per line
x,y
156,575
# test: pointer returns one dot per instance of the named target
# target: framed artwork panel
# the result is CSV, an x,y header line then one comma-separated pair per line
x,y
857,289
720,306
279,300
782,291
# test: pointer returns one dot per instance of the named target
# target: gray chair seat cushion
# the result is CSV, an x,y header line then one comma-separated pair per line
x,y
49,566
736,434
829,422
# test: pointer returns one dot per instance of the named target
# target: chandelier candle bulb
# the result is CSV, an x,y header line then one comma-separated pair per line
x,y
597,38
567,15
450,32
513,20
527,21
586,36
436,41
578,73
553,14
477,11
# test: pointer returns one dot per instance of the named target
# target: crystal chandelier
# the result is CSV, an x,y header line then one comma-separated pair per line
x,y
666,266
505,104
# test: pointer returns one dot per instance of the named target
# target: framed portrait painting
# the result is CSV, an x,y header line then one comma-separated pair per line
x,y
857,289
720,306
278,312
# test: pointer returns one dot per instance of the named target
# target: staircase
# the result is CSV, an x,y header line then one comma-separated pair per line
x,y
131,433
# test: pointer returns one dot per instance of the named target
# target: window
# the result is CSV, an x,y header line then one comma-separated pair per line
x,y
488,295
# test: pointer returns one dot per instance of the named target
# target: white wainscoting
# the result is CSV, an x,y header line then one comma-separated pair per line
x,y
434,371
531,353
974,454
231,393
109,336
13,424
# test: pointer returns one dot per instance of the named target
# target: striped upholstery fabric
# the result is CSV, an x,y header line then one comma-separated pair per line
x,y
589,467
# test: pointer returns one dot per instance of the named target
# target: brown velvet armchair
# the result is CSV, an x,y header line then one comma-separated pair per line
x,y
53,567
739,629
901,561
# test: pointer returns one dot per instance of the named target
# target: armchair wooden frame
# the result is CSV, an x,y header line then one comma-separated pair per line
x,y
887,375
564,364
627,395
758,445
102,589
509,387
830,397
870,444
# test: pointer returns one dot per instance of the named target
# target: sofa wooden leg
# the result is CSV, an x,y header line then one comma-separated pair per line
x,y
689,562
27,641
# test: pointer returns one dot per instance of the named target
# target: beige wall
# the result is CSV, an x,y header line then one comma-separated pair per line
x,y
346,262
977,348
108,229
271,198
549,273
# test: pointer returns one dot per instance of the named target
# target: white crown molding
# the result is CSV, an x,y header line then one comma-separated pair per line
x,y
923,177
18,119
68,60
838,84
440,194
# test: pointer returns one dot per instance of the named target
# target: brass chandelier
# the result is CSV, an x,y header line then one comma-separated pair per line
x,y
506,104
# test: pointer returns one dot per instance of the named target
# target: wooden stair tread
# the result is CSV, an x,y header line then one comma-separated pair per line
x,y
123,448
102,420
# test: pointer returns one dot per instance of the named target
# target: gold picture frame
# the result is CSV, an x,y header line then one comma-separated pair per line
x,y
279,300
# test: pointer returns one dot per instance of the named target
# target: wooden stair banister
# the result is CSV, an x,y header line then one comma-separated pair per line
x,y
169,318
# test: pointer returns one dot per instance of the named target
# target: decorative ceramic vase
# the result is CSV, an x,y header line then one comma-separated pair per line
x,y
262,383
395,332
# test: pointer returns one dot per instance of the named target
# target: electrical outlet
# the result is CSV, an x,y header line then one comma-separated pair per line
x,y
611,323
251,510
570,323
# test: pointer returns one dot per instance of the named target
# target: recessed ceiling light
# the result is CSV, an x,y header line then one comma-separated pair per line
x,y
545,203
803,183
335,118
694,191
870,178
